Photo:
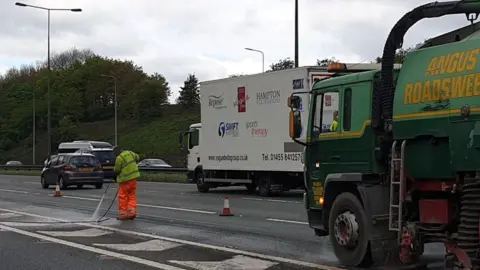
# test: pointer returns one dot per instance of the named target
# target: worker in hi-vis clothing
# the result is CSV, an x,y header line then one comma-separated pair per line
x,y
127,176
334,125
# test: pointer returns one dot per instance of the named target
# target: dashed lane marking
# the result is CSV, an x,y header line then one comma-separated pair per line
x,y
92,232
190,243
80,198
148,205
93,249
9,215
238,262
25,224
270,200
14,191
152,245
178,209
287,221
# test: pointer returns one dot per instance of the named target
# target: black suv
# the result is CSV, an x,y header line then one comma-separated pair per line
x,y
73,169
106,157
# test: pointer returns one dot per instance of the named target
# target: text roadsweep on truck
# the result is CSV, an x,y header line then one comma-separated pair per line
x,y
402,168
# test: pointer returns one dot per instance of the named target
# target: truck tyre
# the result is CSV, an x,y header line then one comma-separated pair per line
x,y
201,185
264,184
348,225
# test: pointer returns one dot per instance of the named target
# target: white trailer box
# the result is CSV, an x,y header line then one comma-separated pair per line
x,y
243,137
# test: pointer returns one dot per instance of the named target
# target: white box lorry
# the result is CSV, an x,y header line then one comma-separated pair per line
x,y
243,136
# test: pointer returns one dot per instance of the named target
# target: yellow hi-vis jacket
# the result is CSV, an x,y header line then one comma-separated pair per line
x,y
126,166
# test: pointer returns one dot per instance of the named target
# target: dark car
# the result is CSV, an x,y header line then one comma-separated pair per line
x,y
106,157
73,169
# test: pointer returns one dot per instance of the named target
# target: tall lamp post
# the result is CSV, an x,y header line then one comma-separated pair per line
x,y
33,125
114,104
263,57
296,33
48,64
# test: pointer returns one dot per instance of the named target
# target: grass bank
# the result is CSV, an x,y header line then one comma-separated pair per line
x,y
157,138
145,177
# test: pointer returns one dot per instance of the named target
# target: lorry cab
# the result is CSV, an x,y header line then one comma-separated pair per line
x,y
192,136
399,169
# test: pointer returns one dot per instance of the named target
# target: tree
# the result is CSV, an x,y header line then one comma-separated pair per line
x,y
78,95
189,93
282,64
66,131
400,54
236,75
325,62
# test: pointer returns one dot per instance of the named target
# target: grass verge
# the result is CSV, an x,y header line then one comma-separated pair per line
x,y
145,177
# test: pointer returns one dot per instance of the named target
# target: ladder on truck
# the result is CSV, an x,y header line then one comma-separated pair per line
x,y
397,165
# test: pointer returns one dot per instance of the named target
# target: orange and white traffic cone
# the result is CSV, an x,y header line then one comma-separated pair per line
x,y
226,208
57,191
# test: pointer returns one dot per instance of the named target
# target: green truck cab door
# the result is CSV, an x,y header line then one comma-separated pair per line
x,y
346,149
322,153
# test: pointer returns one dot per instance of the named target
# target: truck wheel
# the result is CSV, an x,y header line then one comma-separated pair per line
x,y
201,185
264,184
348,231
251,187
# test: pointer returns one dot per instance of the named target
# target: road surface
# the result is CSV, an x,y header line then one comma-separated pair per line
x,y
177,228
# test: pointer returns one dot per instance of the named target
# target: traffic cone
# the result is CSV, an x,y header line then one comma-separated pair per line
x,y
57,191
226,208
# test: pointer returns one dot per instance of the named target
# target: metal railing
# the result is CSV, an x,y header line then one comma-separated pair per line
x,y
40,167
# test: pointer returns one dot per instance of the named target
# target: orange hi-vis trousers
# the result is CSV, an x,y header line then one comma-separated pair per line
x,y
127,198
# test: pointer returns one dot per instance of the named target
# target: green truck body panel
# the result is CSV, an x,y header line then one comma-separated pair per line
x,y
432,86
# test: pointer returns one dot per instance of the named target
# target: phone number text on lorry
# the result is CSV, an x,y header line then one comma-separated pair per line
x,y
282,157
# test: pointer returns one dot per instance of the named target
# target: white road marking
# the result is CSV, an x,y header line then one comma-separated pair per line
x,y
287,221
25,224
79,198
190,243
9,215
93,249
238,262
92,232
148,205
177,209
152,245
269,200
14,191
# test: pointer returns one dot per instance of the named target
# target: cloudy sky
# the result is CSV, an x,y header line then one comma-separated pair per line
x,y
208,37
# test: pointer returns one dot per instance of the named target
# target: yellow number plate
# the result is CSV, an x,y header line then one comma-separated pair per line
x,y
85,169
108,168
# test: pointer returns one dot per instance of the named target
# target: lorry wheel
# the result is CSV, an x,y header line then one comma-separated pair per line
x,y
201,185
348,231
264,183
251,187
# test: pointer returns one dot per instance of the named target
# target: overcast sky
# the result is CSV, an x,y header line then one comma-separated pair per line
x,y
208,37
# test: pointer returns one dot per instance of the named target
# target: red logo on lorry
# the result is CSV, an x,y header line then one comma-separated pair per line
x,y
242,98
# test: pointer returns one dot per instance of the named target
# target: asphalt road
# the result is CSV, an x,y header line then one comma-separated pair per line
x,y
271,230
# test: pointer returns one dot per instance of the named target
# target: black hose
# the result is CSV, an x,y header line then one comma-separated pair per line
x,y
108,209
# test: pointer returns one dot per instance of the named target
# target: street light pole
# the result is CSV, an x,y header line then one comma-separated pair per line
x,y
263,57
296,33
115,104
49,116
33,125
